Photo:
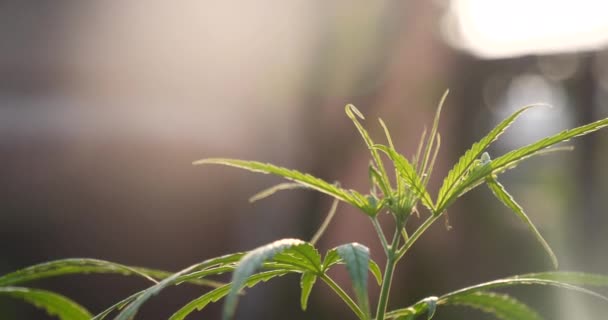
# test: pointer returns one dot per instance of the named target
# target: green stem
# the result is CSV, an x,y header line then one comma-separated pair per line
x,y
380,233
408,244
391,262
340,292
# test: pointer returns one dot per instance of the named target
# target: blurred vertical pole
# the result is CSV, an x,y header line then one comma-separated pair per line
x,y
583,90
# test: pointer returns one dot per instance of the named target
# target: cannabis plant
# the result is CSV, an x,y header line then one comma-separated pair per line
x,y
401,196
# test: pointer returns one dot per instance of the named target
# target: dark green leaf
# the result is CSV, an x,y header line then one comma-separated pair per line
x,y
356,257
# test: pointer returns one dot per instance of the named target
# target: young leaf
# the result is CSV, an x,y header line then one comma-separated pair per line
x,y
217,294
466,161
307,281
512,158
352,112
248,265
502,195
76,266
408,173
224,262
302,178
356,257
502,306
54,304
426,169
375,270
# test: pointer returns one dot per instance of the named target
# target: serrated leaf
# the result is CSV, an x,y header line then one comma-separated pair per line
x,y
466,161
305,179
408,173
352,112
304,256
307,281
186,274
219,293
356,258
117,306
502,306
248,265
501,193
526,279
54,304
76,266
512,158
576,278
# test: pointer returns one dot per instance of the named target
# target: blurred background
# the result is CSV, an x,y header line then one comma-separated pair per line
x,y
105,104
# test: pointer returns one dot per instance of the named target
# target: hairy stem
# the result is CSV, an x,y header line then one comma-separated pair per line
x,y
342,294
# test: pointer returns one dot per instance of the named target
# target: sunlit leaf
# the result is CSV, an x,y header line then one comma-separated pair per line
x,y
219,293
502,195
54,304
502,306
465,162
307,281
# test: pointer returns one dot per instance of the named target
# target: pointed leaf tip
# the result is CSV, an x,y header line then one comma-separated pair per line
x,y
351,109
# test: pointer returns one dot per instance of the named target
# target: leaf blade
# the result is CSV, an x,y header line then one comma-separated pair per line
x,y
503,306
307,281
501,194
356,258
54,304
466,160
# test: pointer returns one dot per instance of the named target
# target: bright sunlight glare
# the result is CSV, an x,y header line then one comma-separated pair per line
x,y
496,28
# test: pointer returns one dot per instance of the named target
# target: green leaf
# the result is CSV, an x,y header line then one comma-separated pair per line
x,y
375,270
54,304
502,195
465,162
408,173
426,169
249,264
526,279
207,267
501,305
219,293
307,281
356,257
304,179
512,158
352,112
76,266
117,306
575,278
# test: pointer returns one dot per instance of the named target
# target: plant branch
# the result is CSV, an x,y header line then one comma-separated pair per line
x,y
380,233
342,294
